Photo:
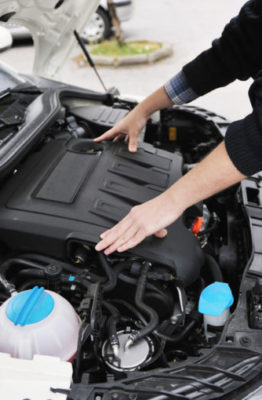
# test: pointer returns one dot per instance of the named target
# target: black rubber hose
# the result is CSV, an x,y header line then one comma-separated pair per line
x,y
116,271
28,272
20,262
130,308
65,266
153,316
150,286
214,268
112,327
112,309
179,336
168,303
49,260
111,280
9,287
112,322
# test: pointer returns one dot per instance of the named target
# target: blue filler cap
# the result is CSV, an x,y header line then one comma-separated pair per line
x,y
30,306
215,299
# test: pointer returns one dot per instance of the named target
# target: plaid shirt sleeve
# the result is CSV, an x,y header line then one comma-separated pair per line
x,y
178,90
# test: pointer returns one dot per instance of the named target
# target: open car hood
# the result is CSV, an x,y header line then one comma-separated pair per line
x,y
51,23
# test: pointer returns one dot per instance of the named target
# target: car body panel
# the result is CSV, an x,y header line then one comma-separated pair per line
x,y
5,39
124,12
51,28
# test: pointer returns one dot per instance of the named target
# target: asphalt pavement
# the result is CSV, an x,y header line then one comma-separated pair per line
x,y
190,26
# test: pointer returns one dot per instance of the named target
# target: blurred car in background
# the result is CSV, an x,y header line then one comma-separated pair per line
x,y
98,28
100,25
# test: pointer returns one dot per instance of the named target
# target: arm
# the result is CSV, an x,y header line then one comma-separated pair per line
x,y
237,54
215,173
239,156
135,121
175,91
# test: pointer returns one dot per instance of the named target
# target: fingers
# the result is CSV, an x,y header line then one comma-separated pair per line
x,y
161,234
141,221
132,145
113,235
137,238
116,134
118,137
132,242
123,237
107,135
120,241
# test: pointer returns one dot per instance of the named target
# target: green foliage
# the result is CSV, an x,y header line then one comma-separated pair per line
x,y
113,49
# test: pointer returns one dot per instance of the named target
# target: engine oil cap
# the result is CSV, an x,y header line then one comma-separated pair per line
x,y
215,299
30,306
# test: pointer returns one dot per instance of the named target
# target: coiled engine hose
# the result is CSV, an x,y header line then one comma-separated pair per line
x,y
153,316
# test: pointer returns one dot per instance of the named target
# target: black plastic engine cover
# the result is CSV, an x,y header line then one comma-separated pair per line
x,y
75,190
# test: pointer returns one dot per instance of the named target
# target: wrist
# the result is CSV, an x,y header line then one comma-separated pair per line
x,y
156,101
144,110
174,203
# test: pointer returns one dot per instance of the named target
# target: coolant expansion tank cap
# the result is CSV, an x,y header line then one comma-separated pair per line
x,y
30,306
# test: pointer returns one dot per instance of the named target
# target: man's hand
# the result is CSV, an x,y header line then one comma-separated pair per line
x,y
129,127
150,218
214,174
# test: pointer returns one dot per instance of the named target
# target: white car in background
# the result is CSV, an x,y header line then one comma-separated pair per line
x,y
98,28
100,25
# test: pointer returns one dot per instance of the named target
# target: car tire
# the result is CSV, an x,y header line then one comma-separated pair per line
x,y
99,27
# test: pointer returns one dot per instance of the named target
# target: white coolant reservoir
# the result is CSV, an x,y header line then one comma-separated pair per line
x,y
38,321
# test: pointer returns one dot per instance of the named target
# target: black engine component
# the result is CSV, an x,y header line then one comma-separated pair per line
x,y
255,306
100,118
138,310
72,191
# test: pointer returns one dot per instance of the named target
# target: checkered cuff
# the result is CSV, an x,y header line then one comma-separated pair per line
x,y
178,89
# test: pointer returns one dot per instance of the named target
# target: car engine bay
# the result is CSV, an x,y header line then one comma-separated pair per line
x,y
136,312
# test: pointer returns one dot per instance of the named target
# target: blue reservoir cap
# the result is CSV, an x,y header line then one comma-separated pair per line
x,y
30,306
215,299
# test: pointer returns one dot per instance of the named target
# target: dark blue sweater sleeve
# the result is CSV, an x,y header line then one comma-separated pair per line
x,y
244,138
237,54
